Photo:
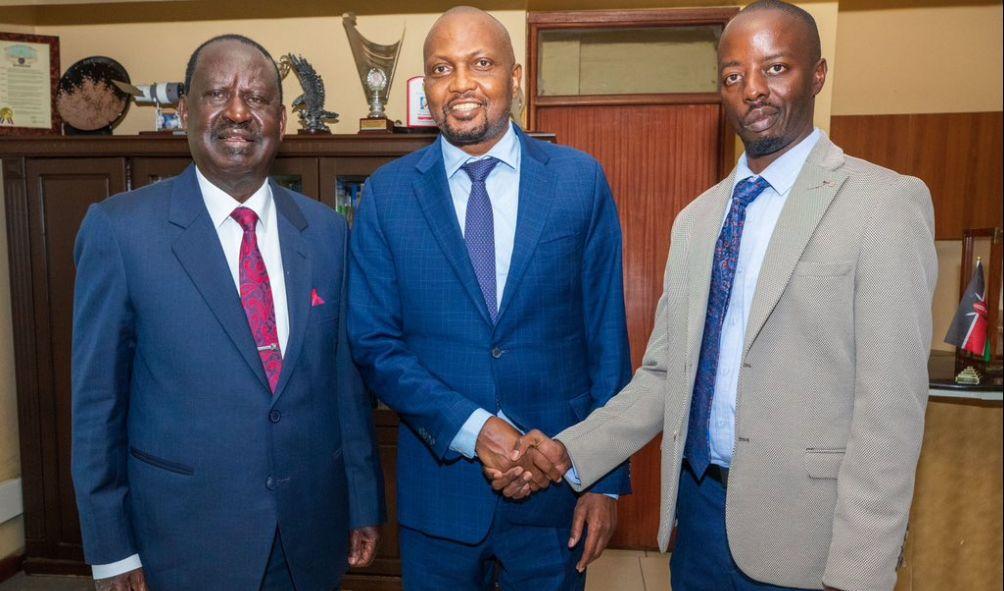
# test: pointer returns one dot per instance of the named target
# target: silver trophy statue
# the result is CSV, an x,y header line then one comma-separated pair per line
x,y
376,64
309,105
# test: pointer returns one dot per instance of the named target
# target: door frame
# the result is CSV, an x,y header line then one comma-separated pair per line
x,y
640,19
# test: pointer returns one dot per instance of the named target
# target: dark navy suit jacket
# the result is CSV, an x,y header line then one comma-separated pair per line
x,y
424,341
180,451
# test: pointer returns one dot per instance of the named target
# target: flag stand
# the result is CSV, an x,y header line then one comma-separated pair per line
x,y
990,363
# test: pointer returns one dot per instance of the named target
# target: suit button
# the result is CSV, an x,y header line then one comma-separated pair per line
x,y
274,416
497,353
270,483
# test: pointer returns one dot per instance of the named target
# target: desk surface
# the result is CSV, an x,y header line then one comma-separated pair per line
x,y
941,367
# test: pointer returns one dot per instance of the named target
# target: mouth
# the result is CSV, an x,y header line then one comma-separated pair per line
x,y
236,137
761,119
464,108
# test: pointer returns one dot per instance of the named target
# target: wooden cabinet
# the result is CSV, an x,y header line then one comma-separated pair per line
x,y
48,185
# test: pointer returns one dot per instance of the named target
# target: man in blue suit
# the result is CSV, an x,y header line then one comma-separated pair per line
x,y
221,436
486,298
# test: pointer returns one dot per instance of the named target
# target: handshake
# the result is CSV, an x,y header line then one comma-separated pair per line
x,y
520,465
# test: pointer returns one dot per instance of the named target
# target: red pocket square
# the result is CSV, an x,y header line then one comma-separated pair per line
x,y
315,300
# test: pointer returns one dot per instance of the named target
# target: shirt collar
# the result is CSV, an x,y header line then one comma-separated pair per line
x,y
782,173
221,205
506,150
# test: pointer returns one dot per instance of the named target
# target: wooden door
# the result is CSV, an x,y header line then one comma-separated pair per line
x,y
57,193
659,152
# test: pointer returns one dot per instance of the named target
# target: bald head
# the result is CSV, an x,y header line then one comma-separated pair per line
x,y
467,18
797,17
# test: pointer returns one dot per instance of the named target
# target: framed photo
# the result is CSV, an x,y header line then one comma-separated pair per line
x,y
418,107
29,74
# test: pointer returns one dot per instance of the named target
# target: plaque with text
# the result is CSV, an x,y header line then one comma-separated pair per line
x,y
29,71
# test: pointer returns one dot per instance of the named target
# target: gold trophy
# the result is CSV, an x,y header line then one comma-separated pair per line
x,y
376,64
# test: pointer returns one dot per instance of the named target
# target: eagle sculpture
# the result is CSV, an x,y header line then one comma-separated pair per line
x,y
309,106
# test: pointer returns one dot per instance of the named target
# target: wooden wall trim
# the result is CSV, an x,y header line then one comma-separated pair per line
x,y
10,566
958,156
617,100
631,18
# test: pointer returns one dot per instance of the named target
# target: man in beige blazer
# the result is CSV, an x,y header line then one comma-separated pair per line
x,y
818,367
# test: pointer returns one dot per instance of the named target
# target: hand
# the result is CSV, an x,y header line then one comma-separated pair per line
x,y
542,460
133,580
496,448
362,546
598,514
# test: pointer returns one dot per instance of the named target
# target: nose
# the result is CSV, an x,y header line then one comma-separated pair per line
x,y
755,87
461,81
237,109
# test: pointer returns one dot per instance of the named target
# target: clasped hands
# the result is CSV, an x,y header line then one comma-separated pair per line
x,y
520,465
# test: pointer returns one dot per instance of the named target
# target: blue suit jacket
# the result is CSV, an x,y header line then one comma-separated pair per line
x,y
180,451
423,339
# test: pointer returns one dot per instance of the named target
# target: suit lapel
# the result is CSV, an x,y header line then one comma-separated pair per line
x,y
809,199
297,270
433,193
536,185
702,246
198,250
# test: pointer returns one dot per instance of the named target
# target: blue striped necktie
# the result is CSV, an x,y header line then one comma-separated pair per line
x,y
479,231
723,271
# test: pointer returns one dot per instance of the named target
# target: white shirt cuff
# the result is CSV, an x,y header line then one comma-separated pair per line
x,y
573,478
105,571
465,439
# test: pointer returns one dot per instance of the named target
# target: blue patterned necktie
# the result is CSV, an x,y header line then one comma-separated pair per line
x,y
723,271
479,231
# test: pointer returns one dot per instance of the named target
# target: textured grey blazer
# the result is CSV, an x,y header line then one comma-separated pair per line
x,y
833,385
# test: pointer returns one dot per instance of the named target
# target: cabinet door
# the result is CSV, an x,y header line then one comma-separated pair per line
x,y
147,171
298,174
342,181
56,197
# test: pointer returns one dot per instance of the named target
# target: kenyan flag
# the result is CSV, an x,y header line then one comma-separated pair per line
x,y
969,328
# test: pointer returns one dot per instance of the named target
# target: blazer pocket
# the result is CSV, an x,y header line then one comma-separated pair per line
x,y
810,269
580,405
564,236
823,463
161,463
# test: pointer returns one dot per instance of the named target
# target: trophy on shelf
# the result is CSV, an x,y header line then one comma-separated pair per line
x,y
309,105
376,64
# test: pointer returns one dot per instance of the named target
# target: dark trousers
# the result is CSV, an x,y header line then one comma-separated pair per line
x,y
277,576
702,560
519,557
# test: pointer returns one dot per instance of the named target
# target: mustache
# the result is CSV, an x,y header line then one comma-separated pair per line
x,y
762,106
246,129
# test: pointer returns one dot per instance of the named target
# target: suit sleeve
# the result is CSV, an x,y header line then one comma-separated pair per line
x,y
390,368
895,278
103,345
359,451
603,310
629,420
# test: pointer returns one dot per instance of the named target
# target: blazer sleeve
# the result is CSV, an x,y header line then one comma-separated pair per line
x,y
607,343
895,278
359,451
102,355
629,420
389,367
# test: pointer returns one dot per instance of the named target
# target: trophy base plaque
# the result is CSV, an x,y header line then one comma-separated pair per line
x,y
376,124
324,131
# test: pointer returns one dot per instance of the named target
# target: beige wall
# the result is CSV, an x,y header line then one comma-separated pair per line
x,y
321,40
919,60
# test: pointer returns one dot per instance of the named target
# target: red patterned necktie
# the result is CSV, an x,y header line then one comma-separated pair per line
x,y
256,296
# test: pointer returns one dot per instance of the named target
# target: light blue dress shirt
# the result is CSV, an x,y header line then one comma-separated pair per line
x,y
761,217
503,191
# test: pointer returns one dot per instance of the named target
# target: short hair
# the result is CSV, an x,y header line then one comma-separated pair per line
x,y
794,11
194,59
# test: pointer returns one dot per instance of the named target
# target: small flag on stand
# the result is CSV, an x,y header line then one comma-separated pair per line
x,y
969,327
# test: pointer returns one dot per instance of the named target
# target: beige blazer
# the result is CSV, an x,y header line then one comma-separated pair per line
x,y
833,385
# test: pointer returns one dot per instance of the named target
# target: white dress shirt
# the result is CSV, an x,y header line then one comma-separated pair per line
x,y
761,217
220,205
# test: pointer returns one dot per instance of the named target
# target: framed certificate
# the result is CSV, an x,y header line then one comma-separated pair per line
x,y
29,73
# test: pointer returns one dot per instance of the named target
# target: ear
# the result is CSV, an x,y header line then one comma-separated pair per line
x,y
282,121
819,76
183,111
517,79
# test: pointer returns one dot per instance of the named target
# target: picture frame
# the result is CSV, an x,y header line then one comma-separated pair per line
x,y
31,109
